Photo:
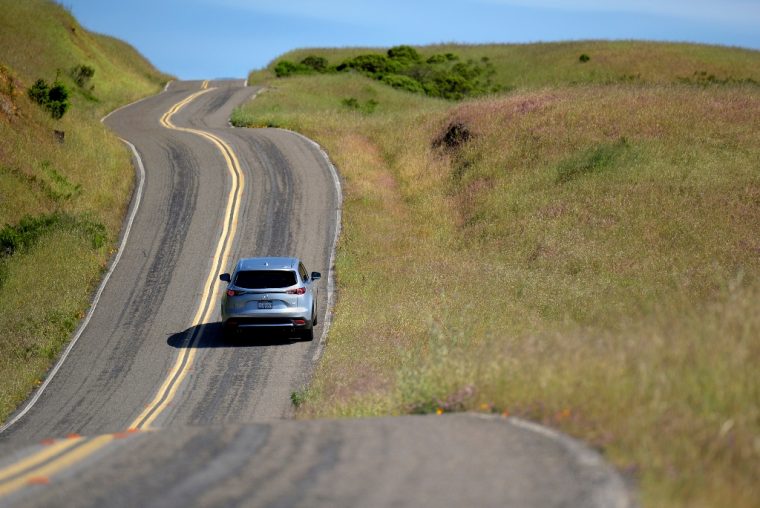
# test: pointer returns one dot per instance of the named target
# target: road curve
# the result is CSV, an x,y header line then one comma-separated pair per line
x,y
222,436
139,327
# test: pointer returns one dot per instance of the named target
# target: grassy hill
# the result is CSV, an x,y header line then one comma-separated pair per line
x,y
558,63
62,196
581,251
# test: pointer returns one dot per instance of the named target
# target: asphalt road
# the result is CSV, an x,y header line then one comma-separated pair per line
x,y
218,432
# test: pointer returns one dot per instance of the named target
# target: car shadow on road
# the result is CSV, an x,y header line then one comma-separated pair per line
x,y
210,336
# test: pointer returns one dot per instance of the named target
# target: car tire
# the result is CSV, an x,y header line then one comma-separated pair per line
x,y
314,318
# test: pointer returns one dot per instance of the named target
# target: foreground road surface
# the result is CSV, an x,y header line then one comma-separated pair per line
x,y
456,460
152,408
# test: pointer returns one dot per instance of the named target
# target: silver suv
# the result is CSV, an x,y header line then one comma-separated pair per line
x,y
270,293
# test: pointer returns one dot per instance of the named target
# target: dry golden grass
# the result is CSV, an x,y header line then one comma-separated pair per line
x,y
587,260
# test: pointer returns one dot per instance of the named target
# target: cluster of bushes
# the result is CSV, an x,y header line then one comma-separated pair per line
x,y
53,98
402,67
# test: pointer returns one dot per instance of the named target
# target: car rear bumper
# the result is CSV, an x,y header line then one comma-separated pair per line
x,y
285,323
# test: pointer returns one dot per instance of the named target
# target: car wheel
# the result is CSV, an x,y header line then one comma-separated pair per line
x,y
314,318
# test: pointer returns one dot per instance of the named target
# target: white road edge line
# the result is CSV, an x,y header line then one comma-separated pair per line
x,y
609,489
331,273
133,212
102,120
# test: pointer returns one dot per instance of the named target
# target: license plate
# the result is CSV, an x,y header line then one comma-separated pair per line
x,y
265,305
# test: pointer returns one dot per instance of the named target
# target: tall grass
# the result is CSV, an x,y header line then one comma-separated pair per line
x,y
587,260
56,195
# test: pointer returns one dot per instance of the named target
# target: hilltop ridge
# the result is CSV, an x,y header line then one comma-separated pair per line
x,y
535,65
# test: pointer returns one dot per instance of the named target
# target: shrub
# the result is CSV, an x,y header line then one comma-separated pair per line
x,y
463,79
403,83
584,58
286,68
404,54
316,63
372,64
403,68
38,92
456,135
82,75
58,100
469,70
25,233
351,102
298,397
453,86
53,98
366,108
437,59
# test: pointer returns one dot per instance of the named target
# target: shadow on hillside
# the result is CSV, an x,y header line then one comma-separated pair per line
x,y
210,335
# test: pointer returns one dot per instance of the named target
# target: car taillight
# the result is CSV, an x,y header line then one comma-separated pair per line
x,y
297,291
232,292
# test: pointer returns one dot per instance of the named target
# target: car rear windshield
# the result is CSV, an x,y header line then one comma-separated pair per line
x,y
265,279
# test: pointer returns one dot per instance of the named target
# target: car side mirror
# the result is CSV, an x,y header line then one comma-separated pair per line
x,y
316,275
225,277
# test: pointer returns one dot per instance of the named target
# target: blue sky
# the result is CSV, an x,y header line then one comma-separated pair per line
x,y
199,39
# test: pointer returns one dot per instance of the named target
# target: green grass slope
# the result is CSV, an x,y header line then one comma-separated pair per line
x,y
580,251
39,39
61,203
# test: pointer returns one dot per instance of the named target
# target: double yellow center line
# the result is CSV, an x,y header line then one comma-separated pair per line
x,y
58,455
211,288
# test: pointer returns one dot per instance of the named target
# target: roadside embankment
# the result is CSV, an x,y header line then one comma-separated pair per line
x,y
65,182
581,255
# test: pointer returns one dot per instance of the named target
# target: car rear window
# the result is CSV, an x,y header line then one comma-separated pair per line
x,y
265,279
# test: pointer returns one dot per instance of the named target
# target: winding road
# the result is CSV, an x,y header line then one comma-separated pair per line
x,y
152,407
